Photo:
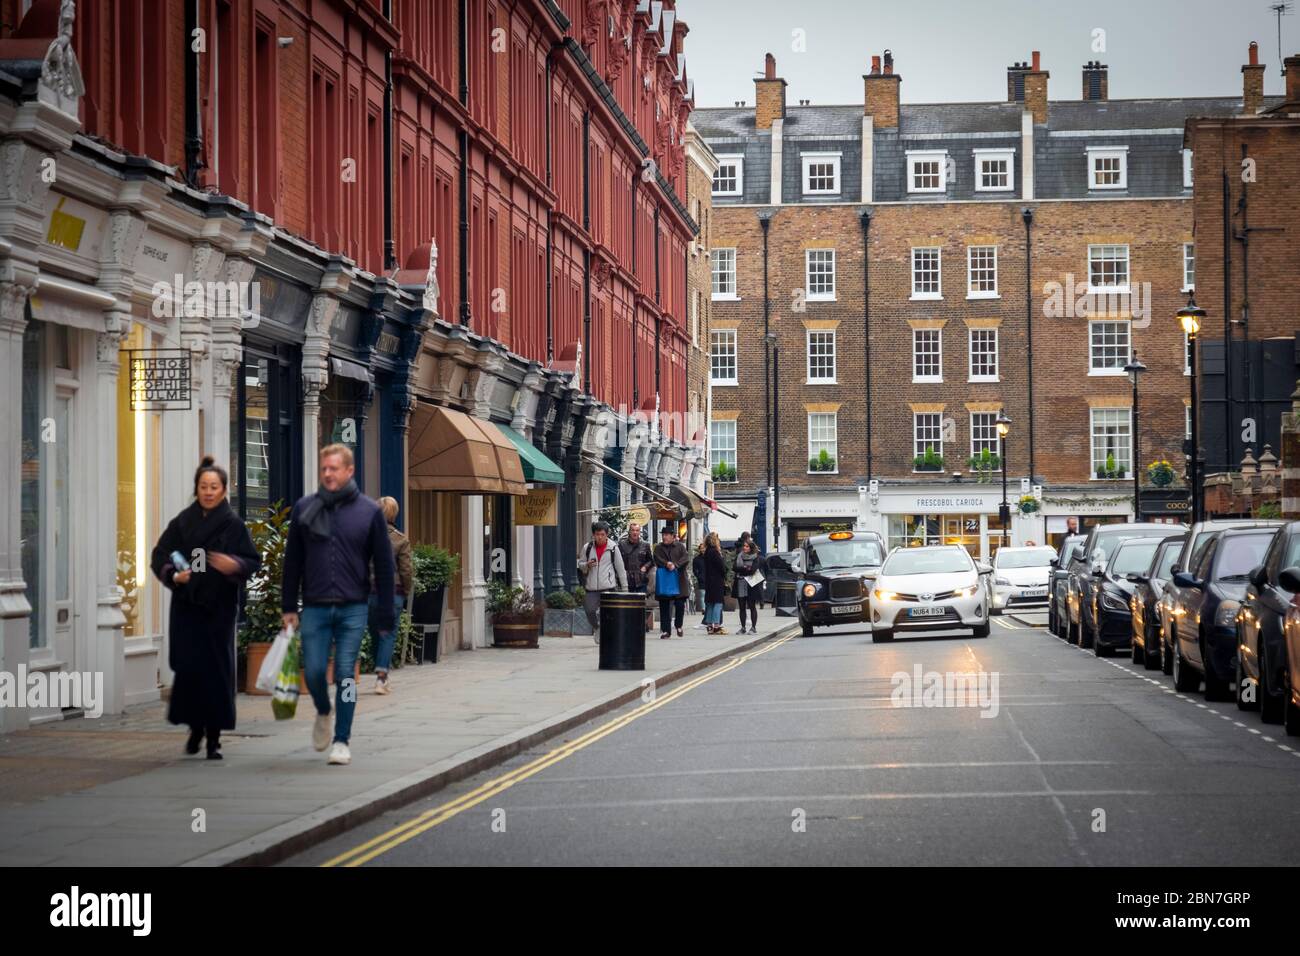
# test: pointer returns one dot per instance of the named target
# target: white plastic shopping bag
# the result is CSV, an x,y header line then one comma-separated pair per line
x,y
274,660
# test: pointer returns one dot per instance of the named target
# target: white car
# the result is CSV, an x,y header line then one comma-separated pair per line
x,y
936,588
1020,577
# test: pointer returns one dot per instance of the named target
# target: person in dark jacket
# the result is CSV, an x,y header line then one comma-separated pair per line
x,y
670,558
404,585
748,561
219,552
637,558
335,535
697,570
715,583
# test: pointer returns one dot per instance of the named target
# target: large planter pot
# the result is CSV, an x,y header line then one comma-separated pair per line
x,y
516,632
562,622
426,611
257,651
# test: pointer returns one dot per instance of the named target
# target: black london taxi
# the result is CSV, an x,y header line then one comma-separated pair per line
x,y
836,578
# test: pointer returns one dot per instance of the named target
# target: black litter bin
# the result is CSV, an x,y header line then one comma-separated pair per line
x,y
622,631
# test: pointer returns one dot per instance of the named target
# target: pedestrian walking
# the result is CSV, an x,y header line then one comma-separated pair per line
x,y
602,567
638,562
335,536
749,562
403,586
203,557
697,571
671,587
715,583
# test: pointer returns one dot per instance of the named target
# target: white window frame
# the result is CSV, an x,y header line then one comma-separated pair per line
x,y
1187,169
1189,257
918,447
719,453
984,155
1095,250
1092,443
715,256
971,291
808,159
811,296
833,450
997,363
1126,347
738,160
715,337
915,156
938,271
1096,153
937,336
808,345
993,444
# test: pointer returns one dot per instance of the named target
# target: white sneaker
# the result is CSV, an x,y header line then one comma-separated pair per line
x,y
698,627
321,731
381,685
339,753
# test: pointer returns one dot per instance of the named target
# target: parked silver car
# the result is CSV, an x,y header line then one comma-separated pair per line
x,y
1020,577
935,588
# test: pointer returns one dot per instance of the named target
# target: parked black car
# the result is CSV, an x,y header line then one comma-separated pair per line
x,y
1148,603
1197,537
1261,644
833,587
1113,594
1208,598
1058,586
1089,562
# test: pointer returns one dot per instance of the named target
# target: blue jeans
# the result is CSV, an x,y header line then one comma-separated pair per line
x,y
713,613
384,643
340,627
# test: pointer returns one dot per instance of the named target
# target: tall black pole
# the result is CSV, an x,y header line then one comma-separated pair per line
x,y
1137,453
764,221
865,218
1027,215
1006,505
1192,468
776,443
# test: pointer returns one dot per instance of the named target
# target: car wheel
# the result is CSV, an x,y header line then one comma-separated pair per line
x,y
1085,634
1071,632
1150,658
1292,717
981,631
807,628
1242,702
1166,655
882,635
1099,649
1272,706
1137,653
1185,679
1216,687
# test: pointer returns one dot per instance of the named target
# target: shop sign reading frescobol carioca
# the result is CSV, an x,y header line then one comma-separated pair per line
x,y
160,379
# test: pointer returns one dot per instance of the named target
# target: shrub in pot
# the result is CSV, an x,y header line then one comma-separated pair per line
x,y
262,615
565,615
516,615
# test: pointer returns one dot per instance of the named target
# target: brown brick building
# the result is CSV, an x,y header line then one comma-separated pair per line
x,y
1017,255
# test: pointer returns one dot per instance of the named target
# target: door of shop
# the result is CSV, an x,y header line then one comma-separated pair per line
x,y
266,457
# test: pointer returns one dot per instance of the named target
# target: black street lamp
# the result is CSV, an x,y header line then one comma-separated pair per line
x,y
1134,369
774,438
1190,317
1003,425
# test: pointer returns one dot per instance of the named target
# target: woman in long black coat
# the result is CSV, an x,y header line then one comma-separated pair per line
x,y
205,606
715,583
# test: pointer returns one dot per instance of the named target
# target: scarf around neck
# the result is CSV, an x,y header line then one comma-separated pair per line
x,y
316,513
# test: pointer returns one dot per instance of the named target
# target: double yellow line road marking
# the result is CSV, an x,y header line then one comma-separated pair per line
x,y
364,853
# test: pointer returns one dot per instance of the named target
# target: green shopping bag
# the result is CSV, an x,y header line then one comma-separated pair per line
x,y
284,699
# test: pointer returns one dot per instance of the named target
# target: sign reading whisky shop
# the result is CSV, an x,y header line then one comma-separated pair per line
x,y
160,379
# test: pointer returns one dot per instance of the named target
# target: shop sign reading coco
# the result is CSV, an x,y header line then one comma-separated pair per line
x,y
536,508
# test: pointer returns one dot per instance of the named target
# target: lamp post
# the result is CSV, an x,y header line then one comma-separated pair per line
x,y
1003,425
1134,369
1190,317
774,438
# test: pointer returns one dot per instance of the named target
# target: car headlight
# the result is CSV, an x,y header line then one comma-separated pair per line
x,y
1226,615
884,595
809,590
1004,582
966,591
1113,601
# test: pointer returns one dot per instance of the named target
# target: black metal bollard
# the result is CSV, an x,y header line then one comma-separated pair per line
x,y
622,631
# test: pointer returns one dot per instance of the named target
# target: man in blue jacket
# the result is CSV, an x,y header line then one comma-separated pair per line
x,y
334,536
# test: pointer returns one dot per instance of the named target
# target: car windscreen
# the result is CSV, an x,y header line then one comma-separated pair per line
x,y
927,561
1134,557
1239,554
850,553
1032,558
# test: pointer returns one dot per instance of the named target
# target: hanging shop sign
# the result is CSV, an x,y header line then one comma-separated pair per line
x,y
160,379
536,508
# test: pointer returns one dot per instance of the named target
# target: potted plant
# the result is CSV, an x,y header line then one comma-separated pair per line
x,y
1160,473
565,615
984,465
433,569
262,613
930,461
516,615
1028,504
821,462
724,473
1110,469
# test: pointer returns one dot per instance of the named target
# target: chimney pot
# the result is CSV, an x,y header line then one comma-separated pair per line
x,y
1254,53
1292,64
1036,66
875,65
889,62
769,67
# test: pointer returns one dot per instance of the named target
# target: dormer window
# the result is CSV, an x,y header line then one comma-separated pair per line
x,y
995,170
1107,167
821,174
729,180
927,171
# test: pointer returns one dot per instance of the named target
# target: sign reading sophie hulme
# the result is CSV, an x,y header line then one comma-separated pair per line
x,y
536,508
160,379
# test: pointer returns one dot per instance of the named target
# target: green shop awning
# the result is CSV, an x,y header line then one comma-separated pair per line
x,y
537,467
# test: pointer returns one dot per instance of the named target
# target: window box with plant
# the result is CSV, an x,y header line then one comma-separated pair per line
x,y
822,461
516,615
1110,469
724,473
1160,473
984,465
565,614
931,460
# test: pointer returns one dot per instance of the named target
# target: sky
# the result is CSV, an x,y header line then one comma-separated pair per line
x,y
958,50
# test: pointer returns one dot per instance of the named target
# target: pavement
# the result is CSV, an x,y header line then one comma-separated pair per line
x,y
799,753
119,791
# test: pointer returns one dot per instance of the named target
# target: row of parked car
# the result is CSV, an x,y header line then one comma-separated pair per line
x,y
1216,605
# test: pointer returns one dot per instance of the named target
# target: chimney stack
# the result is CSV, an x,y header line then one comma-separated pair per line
x,y
1096,81
880,93
1027,83
769,96
1252,82
1292,64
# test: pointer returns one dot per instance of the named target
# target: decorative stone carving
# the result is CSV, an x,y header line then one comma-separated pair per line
x,y
431,290
60,70
593,23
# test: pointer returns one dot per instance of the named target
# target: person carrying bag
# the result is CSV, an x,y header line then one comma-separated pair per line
x,y
671,586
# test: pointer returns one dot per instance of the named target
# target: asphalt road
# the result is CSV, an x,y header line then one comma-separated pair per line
x,y
798,753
